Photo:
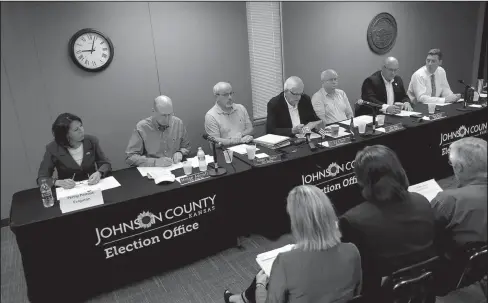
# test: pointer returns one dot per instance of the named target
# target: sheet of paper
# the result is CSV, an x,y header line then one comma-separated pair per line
x,y
240,149
406,113
262,155
147,170
72,203
442,104
475,105
381,129
426,118
483,95
83,187
428,189
365,118
312,136
266,259
194,160
162,176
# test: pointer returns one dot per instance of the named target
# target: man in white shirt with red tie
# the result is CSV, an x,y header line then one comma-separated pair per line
x,y
429,83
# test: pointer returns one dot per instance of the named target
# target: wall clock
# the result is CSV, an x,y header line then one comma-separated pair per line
x,y
91,50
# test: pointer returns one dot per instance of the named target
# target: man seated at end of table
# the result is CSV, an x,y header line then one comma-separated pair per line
x,y
291,112
228,122
385,88
159,140
429,83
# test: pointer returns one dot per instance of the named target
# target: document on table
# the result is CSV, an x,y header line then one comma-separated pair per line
x,y
364,118
266,259
158,170
428,189
194,160
406,113
83,187
312,136
162,176
261,155
240,149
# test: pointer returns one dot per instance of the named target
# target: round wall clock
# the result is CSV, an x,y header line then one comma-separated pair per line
x,y
91,50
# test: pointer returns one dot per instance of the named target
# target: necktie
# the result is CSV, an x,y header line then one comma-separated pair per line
x,y
432,82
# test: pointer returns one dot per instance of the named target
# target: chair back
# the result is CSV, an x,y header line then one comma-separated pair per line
x,y
358,299
476,265
411,284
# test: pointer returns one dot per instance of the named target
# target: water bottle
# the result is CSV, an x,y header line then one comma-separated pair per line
x,y
202,164
46,194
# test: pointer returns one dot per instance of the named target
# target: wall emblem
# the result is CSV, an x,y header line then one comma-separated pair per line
x,y
382,32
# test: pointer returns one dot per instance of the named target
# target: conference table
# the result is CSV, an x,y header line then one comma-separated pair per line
x,y
69,257
73,256
421,147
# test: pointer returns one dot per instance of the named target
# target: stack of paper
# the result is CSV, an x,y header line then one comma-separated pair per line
x,y
428,189
273,141
406,113
266,259
83,187
162,176
149,171
312,136
240,149
365,118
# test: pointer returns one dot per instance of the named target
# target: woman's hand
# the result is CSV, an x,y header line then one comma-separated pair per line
x,y
66,183
94,178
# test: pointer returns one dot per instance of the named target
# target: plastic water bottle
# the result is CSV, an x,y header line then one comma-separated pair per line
x,y
202,164
46,194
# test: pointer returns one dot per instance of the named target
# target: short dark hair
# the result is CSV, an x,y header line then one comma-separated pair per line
x,y
436,52
380,174
60,128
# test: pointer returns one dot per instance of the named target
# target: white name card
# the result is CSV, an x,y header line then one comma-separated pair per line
x,y
82,200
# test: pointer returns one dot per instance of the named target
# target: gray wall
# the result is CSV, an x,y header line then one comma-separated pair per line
x,y
178,49
321,35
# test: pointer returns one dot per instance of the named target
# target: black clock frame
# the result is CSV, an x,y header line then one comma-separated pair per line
x,y
81,32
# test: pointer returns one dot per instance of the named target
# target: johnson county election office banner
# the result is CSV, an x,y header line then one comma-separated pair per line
x,y
98,249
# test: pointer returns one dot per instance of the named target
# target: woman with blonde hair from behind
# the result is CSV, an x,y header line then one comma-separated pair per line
x,y
319,269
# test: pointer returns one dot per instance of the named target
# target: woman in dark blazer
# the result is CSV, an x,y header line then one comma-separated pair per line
x,y
74,155
319,269
393,228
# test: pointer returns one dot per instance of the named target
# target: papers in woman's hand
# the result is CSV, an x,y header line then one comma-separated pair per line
x,y
83,187
266,259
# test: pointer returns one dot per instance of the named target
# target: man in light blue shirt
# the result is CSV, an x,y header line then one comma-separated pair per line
x,y
330,103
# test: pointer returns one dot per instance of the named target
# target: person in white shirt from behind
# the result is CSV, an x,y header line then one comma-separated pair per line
x,y
429,83
330,103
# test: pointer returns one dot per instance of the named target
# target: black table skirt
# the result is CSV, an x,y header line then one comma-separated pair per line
x,y
73,256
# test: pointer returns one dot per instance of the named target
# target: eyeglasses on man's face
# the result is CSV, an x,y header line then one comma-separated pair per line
x,y
393,70
295,94
231,94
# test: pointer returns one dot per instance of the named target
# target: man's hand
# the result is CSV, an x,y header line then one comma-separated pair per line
x,y
262,277
297,129
94,178
393,109
453,98
407,106
246,139
163,161
177,157
66,183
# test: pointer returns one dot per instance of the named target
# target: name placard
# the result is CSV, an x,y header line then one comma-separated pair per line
x,y
267,160
80,201
437,116
393,128
340,141
194,177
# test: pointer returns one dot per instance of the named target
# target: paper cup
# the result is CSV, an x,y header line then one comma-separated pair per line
x,y
334,130
380,119
361,127
251,151
228,154
431,107
187,167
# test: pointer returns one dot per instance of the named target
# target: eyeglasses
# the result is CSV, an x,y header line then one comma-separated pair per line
x,y
393,70
227,94
295,94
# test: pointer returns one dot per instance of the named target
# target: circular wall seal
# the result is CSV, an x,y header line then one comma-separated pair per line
x,y
382,32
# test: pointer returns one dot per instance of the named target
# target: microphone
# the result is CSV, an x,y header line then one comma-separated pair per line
x,y
362,102
467,86
312,145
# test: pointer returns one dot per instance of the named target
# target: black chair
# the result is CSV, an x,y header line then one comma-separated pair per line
x,y
411,284
359,299
466,266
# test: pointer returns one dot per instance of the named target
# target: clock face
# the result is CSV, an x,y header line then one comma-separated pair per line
x,y
91,50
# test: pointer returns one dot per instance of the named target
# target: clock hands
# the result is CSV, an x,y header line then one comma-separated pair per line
x,y
92,49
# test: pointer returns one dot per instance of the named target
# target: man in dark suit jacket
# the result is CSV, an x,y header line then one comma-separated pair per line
x,y
375,88
291,111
